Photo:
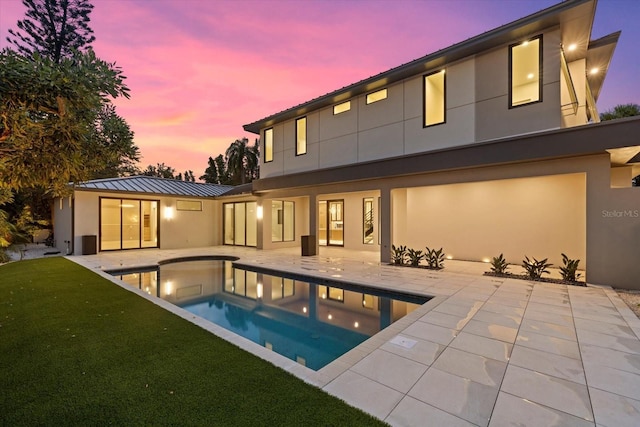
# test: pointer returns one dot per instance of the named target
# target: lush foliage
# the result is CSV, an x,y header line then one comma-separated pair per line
x,y
620,111
79,350
534,268
569,268
53,28
435,258
414,257
216,172
160,170
499,265
242,161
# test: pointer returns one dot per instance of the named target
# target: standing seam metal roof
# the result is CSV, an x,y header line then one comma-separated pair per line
x,y
154,185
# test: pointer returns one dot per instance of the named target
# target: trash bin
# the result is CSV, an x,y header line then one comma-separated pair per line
x,y
89,245
308,245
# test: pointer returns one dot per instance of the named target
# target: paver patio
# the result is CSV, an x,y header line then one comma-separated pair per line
x,y
486,351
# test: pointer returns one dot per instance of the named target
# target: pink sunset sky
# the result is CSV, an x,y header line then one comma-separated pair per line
x,y
200,69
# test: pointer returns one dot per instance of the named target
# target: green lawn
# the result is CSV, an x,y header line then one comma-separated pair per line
x,y
75,349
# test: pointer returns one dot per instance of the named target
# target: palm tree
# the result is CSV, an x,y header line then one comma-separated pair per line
x,y
242,161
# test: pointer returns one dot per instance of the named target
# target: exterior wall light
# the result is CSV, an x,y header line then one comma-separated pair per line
x,y
168,212
259,212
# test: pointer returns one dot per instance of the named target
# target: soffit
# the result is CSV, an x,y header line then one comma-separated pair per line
x,y
599,56
573,12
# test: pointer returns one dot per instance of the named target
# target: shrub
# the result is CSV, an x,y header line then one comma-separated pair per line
x,y
535,269
499,265
414,257
435,258
398,254
568,270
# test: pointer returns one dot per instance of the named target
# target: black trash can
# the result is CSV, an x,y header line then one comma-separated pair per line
x,y
89,245
308,245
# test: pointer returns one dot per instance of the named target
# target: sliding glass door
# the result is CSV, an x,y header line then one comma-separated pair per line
x,y
128,224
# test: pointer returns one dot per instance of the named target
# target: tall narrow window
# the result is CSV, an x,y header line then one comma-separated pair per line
x,y
282,221
434,98
301,136
525,72
367,221
268,145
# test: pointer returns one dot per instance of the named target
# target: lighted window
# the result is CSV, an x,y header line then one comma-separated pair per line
x,y
334,294
188,205
268,145
301,136
525,72
434,98
282,221
341,108
367,221
240,223
376,96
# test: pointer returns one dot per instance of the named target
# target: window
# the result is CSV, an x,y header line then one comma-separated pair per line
x,y
240,224
282,221
188,205
525,72
367,221
301,136
268,145
341,108
376,96
128,224
434,98
333,294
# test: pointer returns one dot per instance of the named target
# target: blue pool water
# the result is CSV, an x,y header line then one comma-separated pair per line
x,y
311,323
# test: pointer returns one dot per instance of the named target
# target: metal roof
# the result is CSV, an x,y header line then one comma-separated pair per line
x,y
566,11
152,185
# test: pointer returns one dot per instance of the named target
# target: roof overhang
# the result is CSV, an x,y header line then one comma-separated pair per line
x,y
556,144
599,58
571,14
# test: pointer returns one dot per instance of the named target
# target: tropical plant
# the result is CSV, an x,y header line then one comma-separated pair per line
x,y
569,268
242,161
435,258
398,254
620,111
414,257
216,172
499,265
53,28
534,268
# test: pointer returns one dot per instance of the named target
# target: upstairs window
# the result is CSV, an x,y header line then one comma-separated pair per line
x,y
268,145
434,98
301,136
342,107
376,96
525,72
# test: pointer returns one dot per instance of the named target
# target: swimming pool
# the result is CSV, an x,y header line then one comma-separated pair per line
x,y
298,317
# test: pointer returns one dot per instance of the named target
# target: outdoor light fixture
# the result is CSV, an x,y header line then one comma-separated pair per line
x,y
572,47
168,287
259,212
168,212
259,291
304,309
594,70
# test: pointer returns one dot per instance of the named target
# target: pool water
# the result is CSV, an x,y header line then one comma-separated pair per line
x,y
308,322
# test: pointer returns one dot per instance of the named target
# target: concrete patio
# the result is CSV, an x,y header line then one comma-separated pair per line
x,y
485,351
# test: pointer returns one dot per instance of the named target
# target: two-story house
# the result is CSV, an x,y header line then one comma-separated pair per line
x,y
489,146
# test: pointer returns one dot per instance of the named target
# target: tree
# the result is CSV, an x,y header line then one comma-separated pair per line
x,y
112,140
53,28
216,172
242,161
47,112
159,171
619,111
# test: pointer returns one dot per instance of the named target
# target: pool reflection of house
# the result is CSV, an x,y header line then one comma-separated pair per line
x,y
489,146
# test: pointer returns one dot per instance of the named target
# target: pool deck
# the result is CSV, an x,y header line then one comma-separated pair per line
x,y
485,351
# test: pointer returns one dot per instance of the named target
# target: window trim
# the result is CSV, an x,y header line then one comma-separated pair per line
x,y
540,72
268,152
386,95
424,98
299,152
348,103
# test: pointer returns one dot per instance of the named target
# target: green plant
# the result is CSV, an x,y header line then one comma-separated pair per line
x,y
398,254
535,269
435,258
568,270
499,265
414,257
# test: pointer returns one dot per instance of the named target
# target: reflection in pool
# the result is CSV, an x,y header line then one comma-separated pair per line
x,y
310,323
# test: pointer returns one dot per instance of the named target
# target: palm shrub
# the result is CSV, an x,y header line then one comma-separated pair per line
x,y
435,258
535,268
568,269
414,257
499,265
398,254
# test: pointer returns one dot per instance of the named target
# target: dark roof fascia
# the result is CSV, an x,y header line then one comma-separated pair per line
x,y
505,34
560,143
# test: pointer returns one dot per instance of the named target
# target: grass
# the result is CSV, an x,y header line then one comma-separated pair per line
x,y
75,349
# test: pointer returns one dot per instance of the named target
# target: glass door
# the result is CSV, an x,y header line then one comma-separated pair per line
x,y
336,223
